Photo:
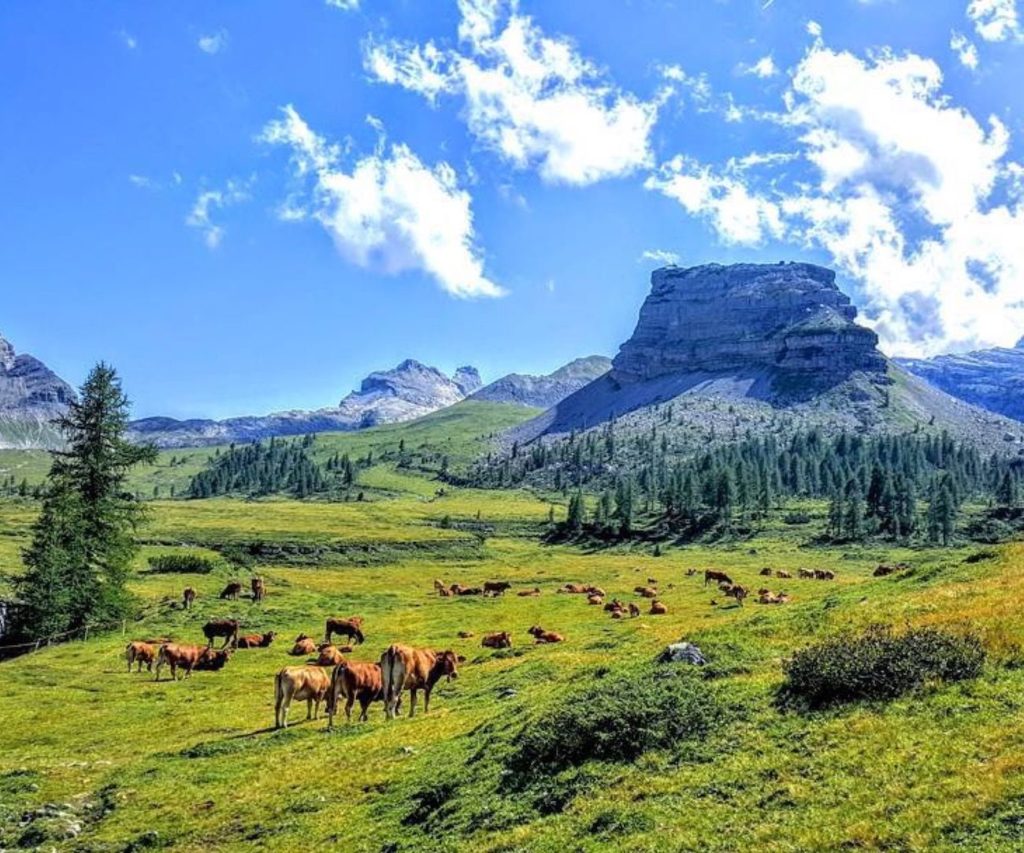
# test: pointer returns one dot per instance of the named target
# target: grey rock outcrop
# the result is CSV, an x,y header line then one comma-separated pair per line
x,y
31,396
542,392
992,378
404,393
788,318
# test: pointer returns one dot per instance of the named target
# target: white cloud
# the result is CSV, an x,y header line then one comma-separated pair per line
x,y
390,211
530,97
143,182
909,194
966,51
995,20
209,200
660,256
764,68
127,39
213,43
346,5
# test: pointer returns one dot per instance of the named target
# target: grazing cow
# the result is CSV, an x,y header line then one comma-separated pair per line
x,y
594,599
765,572
141,652
634,611
259,589
188,597
615,604
496,587
406,668
531,593
226,628
647,592
188,658
500,640
542,636
351,628
735,591
782,573
255,641
304,646
712,575
299,682
329,656
465,635
805,573
232,590
658,609
354,681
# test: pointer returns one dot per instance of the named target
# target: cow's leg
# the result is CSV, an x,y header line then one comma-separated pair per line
x,y
364,706
285,703
309,709
426,699
412,702
349,701
188,669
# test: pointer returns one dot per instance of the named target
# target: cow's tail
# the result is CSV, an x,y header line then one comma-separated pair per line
x,y
390,675
161,659
278,698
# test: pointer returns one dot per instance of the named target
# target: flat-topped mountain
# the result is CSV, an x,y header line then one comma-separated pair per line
x,y
542,392
404,393
31,395
759,347
991,378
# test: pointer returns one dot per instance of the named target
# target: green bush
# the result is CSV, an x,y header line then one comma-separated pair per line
x,y
617,719
878,664
183,563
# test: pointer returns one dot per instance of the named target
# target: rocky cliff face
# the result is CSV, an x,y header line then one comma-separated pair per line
x,y
31,395
404,393
789,319
992,379
542,392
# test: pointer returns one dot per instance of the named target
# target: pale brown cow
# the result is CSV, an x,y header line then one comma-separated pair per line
x,y
499,640
529,593
299,682
594,599
140,652
188,597
351,628
255,641
259,589
647,591
188,658
304,646
542,636
658,609
782,573
406,668
634,611
362,681
574,588
330,655
736,591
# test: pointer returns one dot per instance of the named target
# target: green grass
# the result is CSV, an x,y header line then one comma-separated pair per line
x,y
197,764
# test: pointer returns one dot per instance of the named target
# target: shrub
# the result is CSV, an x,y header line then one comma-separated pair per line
x,y
878,665
617,720
796,518
190,563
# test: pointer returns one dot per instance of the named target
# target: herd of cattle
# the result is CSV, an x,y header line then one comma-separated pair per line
x,y
331,677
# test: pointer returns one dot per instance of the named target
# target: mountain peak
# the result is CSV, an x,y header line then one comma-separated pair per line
x,y
6,354
31,395
1019,344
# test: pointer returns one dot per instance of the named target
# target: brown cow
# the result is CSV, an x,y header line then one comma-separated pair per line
x,y
658,609
354,681
330,655
594,599
735,591
299,682
188,658
255,641
500,640
824,575
439,586
595,590
469,590
304,646
542,636
188,597
805,573
615,604
496,587
634,611
259,589
574,588
524,593
765,572
226,628
351,628
782,573
465,635
617,614
652,581
647,592
232,590
444,592
144,653
406,668
712,575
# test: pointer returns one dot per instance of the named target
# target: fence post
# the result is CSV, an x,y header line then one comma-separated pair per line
x,y
85,637
124,627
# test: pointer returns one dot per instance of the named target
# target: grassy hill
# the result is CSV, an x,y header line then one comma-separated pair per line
x,y
127,763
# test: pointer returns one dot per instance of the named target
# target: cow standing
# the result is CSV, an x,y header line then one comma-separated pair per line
x,y
259,589
351,628
226,628
299,682
362,681
188,658
232,590
188,597
406,668
720,577
143,653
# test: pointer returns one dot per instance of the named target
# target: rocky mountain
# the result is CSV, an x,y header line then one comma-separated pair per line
x,y
719,350
31,396
991,378
408,391
543,392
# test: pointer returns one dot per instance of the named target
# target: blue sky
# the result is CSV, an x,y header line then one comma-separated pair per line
x,y
248,207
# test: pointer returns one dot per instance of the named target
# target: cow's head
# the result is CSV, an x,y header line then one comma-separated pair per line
x,y
268,638
448,661
535,630
358,634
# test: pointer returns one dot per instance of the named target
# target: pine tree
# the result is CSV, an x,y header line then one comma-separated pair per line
x,y
83,541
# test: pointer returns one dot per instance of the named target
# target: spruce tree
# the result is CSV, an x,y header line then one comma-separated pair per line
x,y
83,541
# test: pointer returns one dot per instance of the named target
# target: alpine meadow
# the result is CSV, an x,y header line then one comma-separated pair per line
x,y
748,578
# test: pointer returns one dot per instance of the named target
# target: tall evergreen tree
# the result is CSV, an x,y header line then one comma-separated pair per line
x,y
83,541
